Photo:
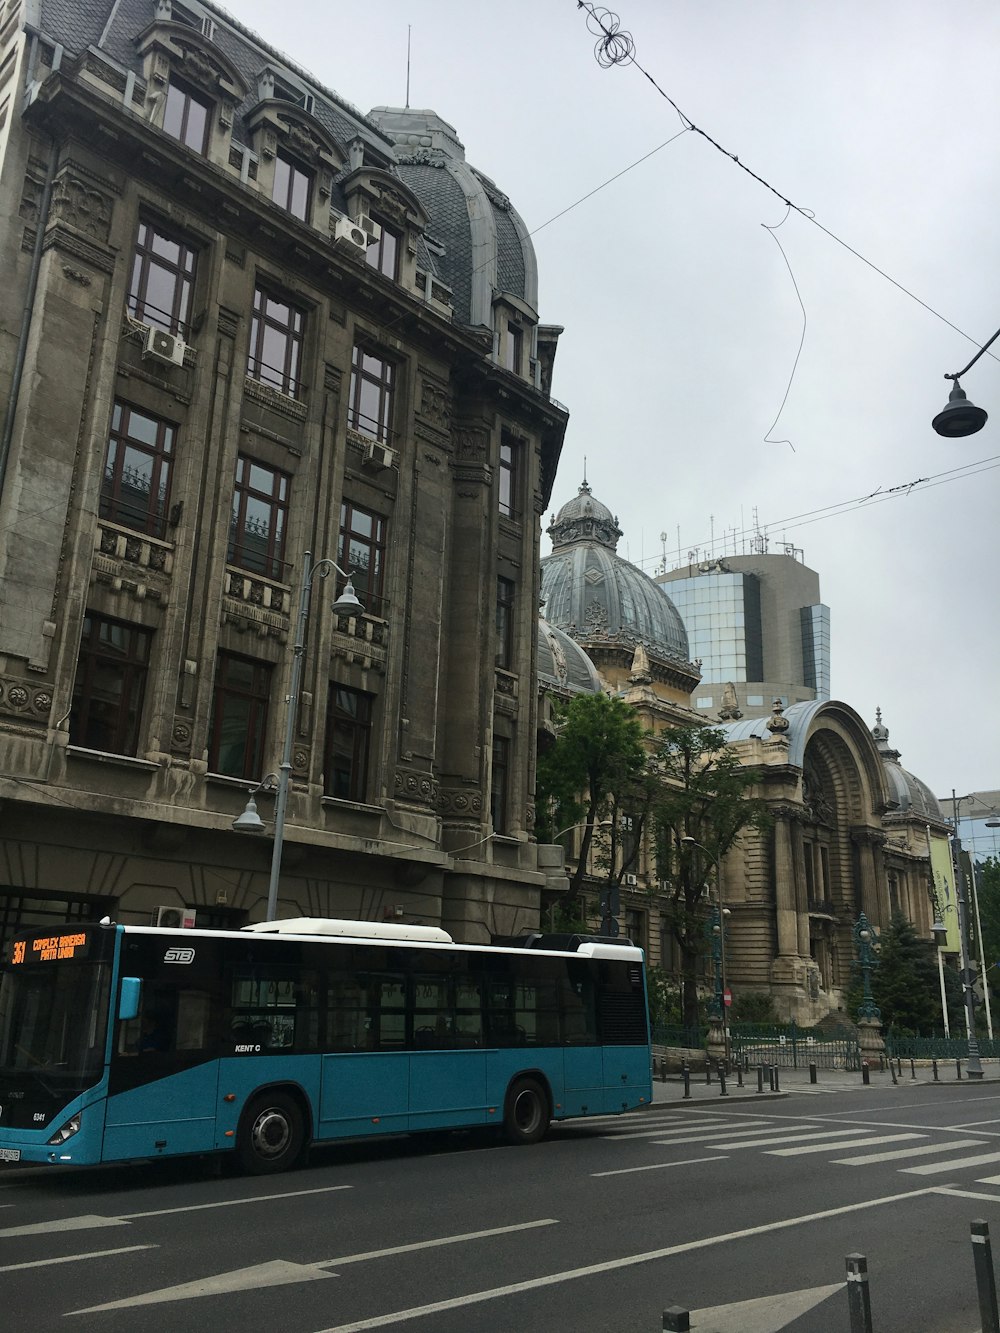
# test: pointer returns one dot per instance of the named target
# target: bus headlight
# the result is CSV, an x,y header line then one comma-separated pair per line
x,y
67,1131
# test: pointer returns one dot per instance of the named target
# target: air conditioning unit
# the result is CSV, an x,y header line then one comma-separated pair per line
x,y
164,346
631,880
175,918
377,456
370,228
349,236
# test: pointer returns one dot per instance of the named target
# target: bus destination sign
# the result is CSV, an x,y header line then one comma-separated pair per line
x,y
50,948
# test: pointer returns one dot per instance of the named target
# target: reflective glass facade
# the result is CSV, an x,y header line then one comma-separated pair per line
x,y
815,622
721,613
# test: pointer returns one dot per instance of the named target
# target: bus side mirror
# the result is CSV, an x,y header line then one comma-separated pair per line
x,y
131,999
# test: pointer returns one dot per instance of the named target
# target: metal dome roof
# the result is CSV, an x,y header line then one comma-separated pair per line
x,y
914,797
591,591
562,663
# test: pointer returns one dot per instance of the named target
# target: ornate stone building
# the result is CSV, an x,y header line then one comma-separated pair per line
x,y
240,322
851,830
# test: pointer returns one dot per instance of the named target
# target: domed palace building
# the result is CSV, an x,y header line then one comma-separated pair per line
x,y
851,830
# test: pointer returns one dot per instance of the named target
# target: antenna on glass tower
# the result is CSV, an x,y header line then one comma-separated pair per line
x,y
409,29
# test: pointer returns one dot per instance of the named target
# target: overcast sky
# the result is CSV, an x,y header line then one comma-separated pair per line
x,y
682,320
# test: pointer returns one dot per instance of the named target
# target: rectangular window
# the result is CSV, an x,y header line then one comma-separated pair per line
x,y
186,116
163,269
259,518
369,410
510,470
239,716
135,490
505,623
498,785
512,348
109,687
348,735
276,343
292,185
361,551
383,254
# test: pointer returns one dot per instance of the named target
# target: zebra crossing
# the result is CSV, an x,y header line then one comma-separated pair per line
x,y
910,1150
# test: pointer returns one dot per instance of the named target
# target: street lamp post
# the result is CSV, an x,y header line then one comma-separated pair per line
x,y
974,1067
718,929
347,601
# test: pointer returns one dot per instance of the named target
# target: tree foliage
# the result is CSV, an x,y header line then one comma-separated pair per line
x,y
905,984
703,793
597,758
988,888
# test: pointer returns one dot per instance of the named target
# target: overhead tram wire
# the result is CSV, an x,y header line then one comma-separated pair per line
x,y
616,47
810,516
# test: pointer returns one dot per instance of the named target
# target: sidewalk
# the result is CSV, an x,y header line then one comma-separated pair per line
x,y
792,1081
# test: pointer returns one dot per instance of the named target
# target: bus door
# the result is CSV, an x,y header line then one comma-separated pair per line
x,y
448,1065
164,1075
365,1083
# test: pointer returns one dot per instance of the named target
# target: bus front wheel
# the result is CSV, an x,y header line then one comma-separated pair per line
x,y
271,1134
526,1114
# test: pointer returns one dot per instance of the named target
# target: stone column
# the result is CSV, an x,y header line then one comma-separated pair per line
x,y
784,888
870,898
801,891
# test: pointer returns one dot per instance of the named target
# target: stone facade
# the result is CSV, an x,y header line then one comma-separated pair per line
x,y
438,824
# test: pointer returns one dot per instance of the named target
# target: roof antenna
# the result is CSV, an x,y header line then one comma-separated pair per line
x,y
409,29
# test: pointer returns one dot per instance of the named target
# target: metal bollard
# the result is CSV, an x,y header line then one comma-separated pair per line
x,y
958,1069
866,1077
892,1073
934,1068
760,1078
899,1067
858,1297
913,1070
686,1074
708,1071
739,1075
812,1071
722,1080
986,1283
776,1086
676,1320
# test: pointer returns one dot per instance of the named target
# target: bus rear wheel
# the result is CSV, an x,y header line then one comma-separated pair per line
x,y
526,1113
271,1134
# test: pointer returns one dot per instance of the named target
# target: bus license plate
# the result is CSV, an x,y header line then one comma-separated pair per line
x,y
10,1154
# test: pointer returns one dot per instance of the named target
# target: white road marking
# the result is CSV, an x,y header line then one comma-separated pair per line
x,y
708,1135
613,1265
966,1194
953,1164
763,1314
828,1134
897,1154
697,1127
89,1222
849,1143
75,1258
281,1272
656,1166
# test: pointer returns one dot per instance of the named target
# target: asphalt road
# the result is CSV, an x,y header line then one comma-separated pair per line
x,y
598,1228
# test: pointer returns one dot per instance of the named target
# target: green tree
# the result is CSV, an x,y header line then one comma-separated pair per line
x,y
703,793
597,756
905,984
988,888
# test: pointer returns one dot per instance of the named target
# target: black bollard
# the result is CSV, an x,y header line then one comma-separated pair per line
x,y
722,1080
686,1073
776,1086
858,1297
865,1073
958,1069
708,1071
899,1067
892,1073
676,1320
812,1071
934,1068
913,1070
739,1075
986,1284
760,1078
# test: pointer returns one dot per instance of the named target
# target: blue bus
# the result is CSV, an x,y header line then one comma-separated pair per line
x,y
123,1043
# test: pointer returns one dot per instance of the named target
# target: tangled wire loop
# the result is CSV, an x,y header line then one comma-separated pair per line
x,y
614,47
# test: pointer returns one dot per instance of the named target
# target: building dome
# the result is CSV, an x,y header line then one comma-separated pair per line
x,y
591,592
476,242
912,796
562,663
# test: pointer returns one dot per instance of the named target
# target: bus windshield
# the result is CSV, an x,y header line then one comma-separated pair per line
x,y
53,1020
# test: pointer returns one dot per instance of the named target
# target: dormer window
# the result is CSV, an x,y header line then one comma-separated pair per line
x,y
383,254
510,347
292,186
186,116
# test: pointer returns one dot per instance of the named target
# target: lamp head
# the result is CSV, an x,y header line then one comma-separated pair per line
x,y
347,602
249,821
939,930
959,417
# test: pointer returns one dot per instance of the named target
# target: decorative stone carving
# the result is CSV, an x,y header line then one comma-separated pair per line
x,y
409,786
777,724
472,444
24,701
459,801
80,206
435,403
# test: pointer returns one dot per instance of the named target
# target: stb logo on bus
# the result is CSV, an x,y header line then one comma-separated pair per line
x,y
179,956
